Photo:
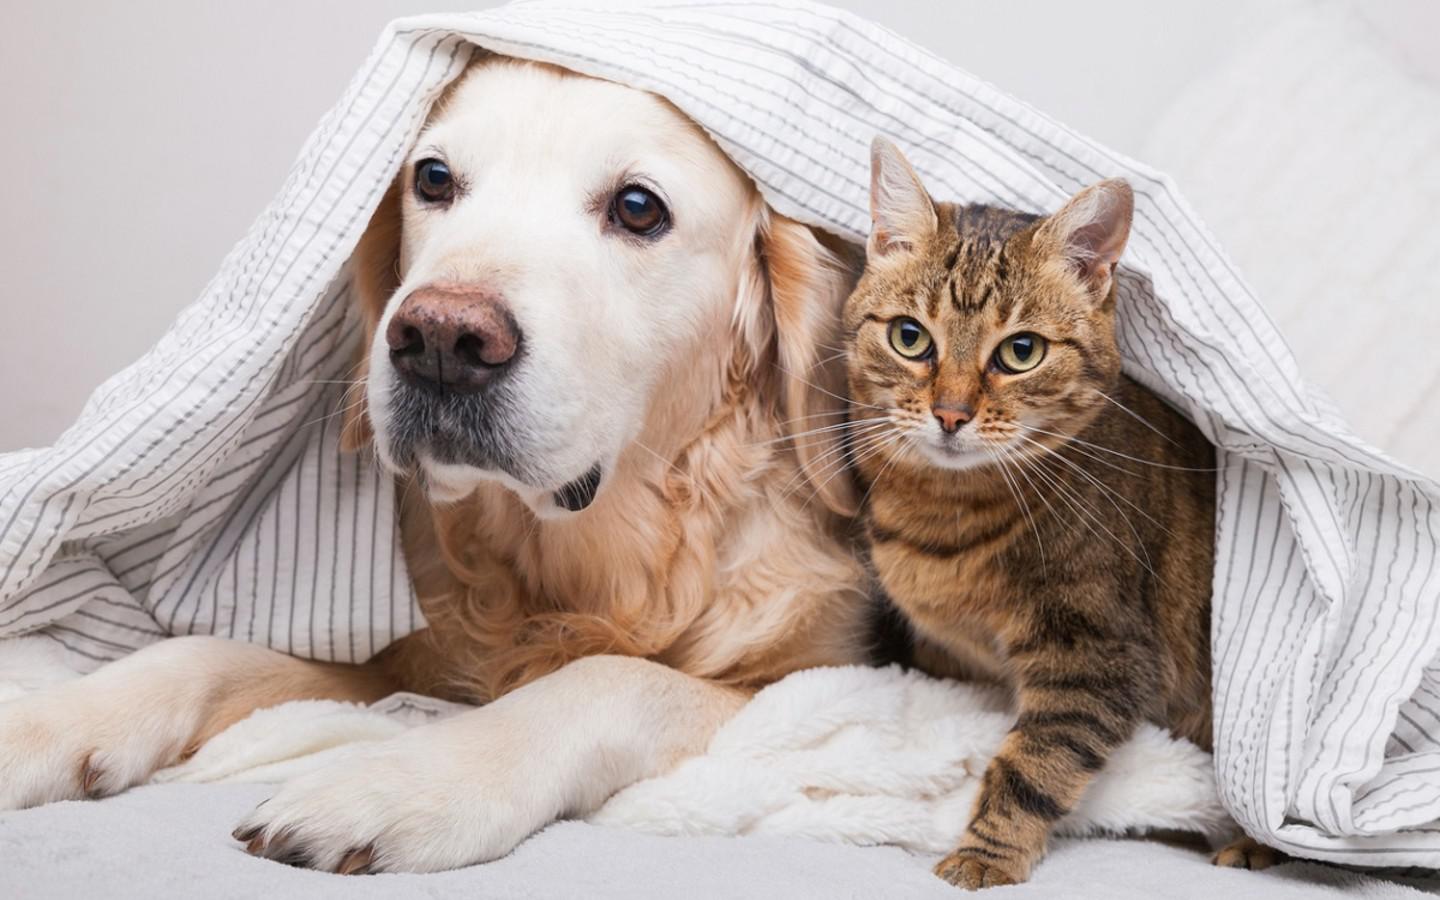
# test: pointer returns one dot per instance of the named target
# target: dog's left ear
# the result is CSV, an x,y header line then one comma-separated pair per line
x,y
808,286
376,274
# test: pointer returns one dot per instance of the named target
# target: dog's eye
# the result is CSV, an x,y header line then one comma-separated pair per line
x,y
639,211
433,181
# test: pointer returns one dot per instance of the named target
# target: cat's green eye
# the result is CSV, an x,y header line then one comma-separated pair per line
x,y
1020,353
909,338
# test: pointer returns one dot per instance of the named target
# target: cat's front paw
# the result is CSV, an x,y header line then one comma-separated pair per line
x,y
1246,853
972,870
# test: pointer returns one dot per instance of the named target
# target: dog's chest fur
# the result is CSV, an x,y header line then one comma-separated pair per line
x,y
715,566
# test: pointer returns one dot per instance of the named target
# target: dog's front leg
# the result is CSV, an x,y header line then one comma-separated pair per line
x,y
114,728
468,789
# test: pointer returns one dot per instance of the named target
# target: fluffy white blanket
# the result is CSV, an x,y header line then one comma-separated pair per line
x,y
854,755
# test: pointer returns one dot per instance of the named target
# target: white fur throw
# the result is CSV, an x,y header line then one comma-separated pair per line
x,y
854,755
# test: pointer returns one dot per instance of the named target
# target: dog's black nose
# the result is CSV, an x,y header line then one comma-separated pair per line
x,y
457,337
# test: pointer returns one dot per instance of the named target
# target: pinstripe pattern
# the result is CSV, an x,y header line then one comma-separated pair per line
x,y
202,490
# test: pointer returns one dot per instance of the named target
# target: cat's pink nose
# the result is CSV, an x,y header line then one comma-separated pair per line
x,y
952,416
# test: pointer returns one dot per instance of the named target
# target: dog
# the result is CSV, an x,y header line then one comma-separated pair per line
x,y
603,372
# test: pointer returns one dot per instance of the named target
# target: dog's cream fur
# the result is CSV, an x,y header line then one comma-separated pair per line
x,y
611,643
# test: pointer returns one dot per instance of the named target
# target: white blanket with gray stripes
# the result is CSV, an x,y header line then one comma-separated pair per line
x,y
202,489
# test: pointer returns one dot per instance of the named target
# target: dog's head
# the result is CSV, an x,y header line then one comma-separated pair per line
x,y
567,268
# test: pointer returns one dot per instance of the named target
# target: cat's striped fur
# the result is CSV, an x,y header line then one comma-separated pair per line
x,y
1059,539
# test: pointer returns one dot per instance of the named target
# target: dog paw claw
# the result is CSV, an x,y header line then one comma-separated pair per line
x,y
356,862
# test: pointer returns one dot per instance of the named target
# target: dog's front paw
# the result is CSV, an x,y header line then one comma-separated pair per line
x,y
972,870
55,747
40,759
402,805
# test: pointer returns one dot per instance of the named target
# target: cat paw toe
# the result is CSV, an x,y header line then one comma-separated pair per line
x,y
1245,853
971,872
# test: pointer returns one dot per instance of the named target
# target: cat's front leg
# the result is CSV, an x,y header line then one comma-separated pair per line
x,y
1074,710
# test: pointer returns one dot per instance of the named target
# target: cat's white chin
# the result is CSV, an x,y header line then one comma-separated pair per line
x,y
955,458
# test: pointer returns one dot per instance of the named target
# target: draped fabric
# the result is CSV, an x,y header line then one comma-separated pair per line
x,y
202,489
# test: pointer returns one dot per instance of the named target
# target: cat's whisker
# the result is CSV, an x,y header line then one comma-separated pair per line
x,y
824,414
1062,492
1108,494
894,458
852,443
832,461
1074,444
1088,454
1069,494
820,472
846,468
1058,453
1014,488
1136,416
846,444
1075,440
824,429
825,392
828,449
850,454
1018,458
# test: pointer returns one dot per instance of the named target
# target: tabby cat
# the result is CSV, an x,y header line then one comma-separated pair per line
x,y
1036,516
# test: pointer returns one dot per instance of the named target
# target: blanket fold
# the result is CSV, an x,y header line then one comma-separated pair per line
x,y
202,489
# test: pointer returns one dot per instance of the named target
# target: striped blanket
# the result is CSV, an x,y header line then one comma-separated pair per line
x,y
202,489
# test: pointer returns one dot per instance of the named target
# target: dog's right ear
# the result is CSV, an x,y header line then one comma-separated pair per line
x,y
376,275
808,285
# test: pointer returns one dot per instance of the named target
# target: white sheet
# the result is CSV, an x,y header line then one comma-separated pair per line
x,y
202,490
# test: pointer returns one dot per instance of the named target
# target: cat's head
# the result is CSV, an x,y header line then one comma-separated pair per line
x,y
977,330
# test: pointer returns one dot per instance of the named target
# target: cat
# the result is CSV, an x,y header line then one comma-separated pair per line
x,y
1037,517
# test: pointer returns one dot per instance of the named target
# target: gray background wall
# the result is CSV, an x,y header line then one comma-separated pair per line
x,y
141,138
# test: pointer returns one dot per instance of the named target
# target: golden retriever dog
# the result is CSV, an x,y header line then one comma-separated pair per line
x,y
603,371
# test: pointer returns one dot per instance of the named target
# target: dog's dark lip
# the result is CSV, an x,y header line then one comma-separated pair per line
x,y
580,493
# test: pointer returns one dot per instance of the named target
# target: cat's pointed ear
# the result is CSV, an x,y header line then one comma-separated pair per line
x,y
1091,230
902,214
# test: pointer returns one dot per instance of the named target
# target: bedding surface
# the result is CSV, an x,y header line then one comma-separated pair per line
x,y
203,491
172,841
